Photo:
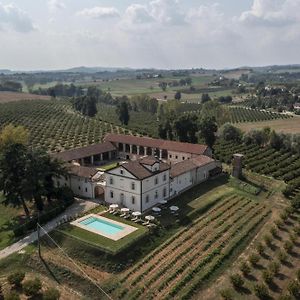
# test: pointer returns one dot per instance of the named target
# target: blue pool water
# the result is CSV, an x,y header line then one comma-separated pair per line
x,y
102,225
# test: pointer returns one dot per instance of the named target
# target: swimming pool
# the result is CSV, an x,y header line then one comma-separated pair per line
x,y
106,227
102,225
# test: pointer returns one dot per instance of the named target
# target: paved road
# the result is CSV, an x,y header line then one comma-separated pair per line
x,y
78,207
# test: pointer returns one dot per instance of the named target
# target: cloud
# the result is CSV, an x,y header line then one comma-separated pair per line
x,y
14,18
137,13
99,12
272,12
55,5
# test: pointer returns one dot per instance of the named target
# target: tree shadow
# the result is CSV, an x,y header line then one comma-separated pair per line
x,y
250,277
294,254
281,276
258,266
274,287
287,264
273,247
243,290
277,237
265,256
49,270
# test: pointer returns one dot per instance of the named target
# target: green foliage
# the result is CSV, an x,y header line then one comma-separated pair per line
x,y
261,291
16,278
282,256
86,105
268,240
13,295
123,112
11,134
237,281
274,267
226,294
228,132
288,246
273,231
32,287
51,294
244,268
254,259
267,276
208,128
294,288
260,248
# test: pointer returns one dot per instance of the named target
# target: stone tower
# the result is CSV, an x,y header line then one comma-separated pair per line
x,y
237,170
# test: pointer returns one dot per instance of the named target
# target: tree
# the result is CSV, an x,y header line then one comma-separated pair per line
x,y
11,134
13,175
123,113
51,294
186,128
32,287
16,278
1,293
231,133
237,281
177,95
163,86
208,128
205,98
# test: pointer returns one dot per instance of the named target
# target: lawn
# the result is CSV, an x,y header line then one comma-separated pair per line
x,y
105,244
7,216
108,166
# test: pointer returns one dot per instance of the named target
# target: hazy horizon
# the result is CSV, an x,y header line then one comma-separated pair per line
x,y
161,34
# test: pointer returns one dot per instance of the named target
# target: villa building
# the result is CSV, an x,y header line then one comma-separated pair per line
x,y
147,171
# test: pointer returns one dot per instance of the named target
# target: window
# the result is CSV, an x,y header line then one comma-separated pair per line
x,y
170,156
121,172
156,194
85,180
133,200
132,185
111,194
147,198
111,180
183,158
165,192
156,180
176,156
86,190
165,177
79,187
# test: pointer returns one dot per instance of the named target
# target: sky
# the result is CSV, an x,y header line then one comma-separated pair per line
x,y
169,34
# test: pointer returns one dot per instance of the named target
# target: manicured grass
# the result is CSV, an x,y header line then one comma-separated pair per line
x,y
108,166
7,215
106,244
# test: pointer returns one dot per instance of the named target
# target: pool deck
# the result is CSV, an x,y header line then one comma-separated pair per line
x,y
117,236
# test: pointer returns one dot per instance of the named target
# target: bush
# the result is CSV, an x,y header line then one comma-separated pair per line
x,y
268,240
267,276
278,223
293,237
294,288
226,294
282,256
260,248
298,274
13,295
1,293
274,267
237,281
285,297
288,246
261,291
16,278
32,287
273,231
51,294
253,259
244,268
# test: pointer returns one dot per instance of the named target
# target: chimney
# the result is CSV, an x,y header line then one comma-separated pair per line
x,y
237,165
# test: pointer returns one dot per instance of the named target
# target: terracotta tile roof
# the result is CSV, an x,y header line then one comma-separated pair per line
x,y
141,172
80,171
156,143
189,165
149,160
85,151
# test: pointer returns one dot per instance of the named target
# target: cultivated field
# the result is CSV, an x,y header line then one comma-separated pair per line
x,y
12,97
290,125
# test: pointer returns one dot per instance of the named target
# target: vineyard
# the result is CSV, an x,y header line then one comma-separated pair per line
x,y
180,266
54,125
242,114
282,165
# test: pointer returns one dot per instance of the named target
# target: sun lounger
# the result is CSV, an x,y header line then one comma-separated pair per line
x,y
151,225
126,216
138,221
134,219
123,215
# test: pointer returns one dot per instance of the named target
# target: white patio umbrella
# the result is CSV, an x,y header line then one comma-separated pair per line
x,y
174,208
124,209
156,209
136,213
149,218
114,206
162,202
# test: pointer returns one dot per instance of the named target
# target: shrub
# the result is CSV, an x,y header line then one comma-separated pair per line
x,y
298,274
16,278
278,223
253,259
284,216
51,294
1,293
237,281
226,294
32,287
245,269
268,240
293,237
288,246
285,297
282,256
13,295
267,276
297,229
261,291
260,248
274,267
273,231
294,288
